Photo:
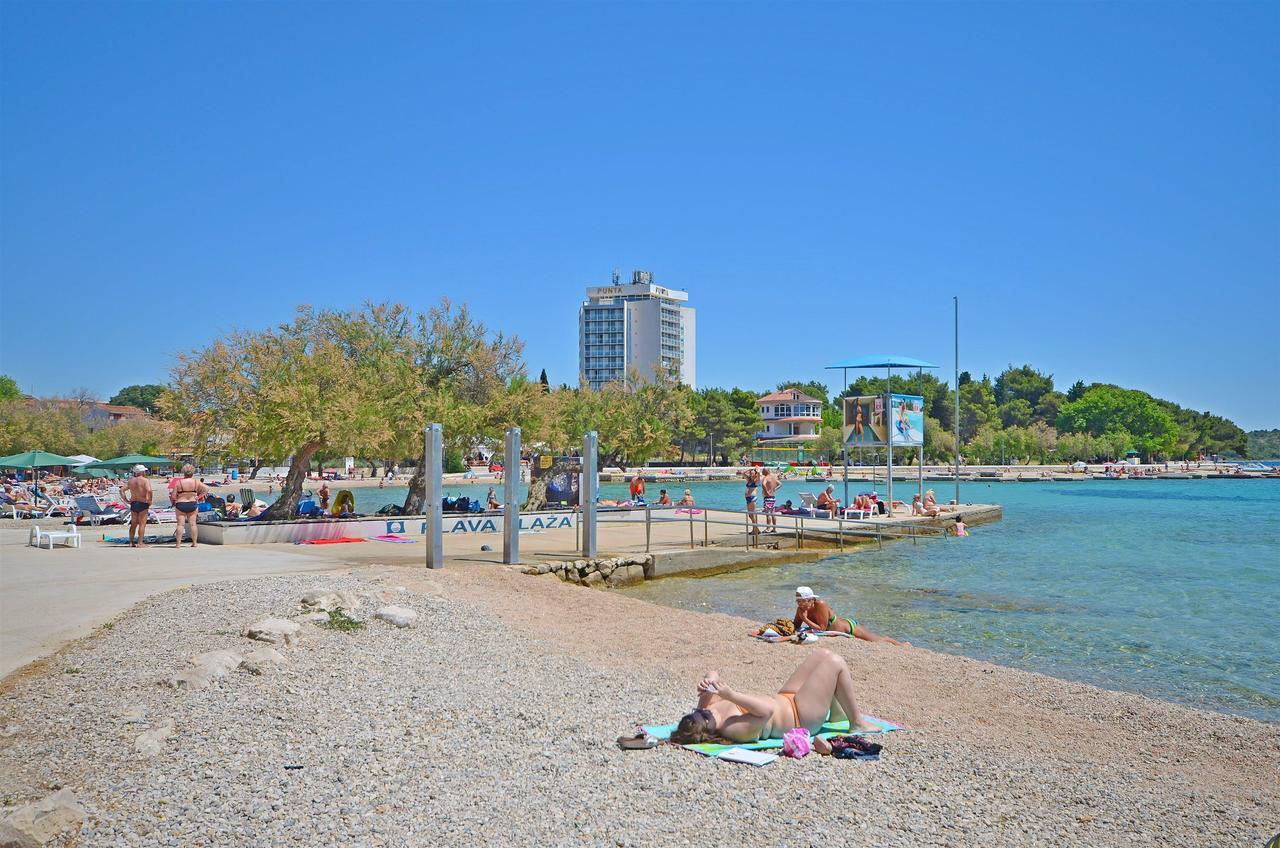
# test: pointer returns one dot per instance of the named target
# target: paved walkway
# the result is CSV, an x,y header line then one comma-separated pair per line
x,y
48,598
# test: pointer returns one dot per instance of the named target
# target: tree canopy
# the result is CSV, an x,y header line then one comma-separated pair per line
x,y
144,396
9,388
62,426
1263,444
1022,383
1132,419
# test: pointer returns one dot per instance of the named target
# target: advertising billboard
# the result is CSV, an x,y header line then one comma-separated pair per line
x,y
865,423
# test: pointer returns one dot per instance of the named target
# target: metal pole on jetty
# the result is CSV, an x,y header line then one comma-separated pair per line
x,y
920,458
511,498
434,457
888,440
844,445
957,331
588,490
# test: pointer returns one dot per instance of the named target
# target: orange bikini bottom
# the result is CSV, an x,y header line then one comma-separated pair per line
x,y
791,699
795,712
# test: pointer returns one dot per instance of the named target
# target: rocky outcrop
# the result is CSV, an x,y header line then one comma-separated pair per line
x,y
399,616
275,631
41,821
324,600
151,742
260,660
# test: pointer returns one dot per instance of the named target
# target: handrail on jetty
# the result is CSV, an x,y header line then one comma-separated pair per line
x,y
839,527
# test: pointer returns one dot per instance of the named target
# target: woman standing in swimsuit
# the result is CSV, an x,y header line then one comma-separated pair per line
x,y
753,480
820,688
187,494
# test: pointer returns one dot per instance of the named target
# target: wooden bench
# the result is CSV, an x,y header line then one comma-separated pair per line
x,y
38,536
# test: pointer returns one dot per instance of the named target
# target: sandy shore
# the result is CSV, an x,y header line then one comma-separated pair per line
x,y
493,720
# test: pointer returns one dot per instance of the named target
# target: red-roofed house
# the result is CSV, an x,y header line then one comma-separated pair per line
x,y
789,415
97,415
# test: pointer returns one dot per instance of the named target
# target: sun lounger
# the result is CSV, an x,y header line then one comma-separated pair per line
x,y
88,506
811,503
40,537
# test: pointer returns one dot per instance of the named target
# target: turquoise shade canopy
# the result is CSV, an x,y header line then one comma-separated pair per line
x,y
882,361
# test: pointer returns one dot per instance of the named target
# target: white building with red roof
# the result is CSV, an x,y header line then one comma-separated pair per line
x,y
789,415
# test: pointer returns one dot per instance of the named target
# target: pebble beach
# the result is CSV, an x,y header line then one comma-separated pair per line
x,y
492,720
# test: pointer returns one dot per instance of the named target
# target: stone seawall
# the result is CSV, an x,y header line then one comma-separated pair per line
x,y
601,572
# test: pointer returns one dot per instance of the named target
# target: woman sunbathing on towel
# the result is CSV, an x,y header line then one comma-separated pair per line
x,y
816,614
820,688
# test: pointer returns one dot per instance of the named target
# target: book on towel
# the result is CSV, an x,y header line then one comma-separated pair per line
x,y
743,755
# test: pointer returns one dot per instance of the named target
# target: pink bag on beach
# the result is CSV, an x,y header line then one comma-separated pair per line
x,y
795,742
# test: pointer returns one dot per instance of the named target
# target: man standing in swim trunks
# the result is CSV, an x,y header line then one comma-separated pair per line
x,y
637,489
138,493
770,484
813,612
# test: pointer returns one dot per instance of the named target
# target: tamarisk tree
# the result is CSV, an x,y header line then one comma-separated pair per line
x,y
317,383
456,373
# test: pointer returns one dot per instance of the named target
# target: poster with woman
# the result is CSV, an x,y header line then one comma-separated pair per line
x,y
865,423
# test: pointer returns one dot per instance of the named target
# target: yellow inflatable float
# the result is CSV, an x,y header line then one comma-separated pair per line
x,y
345,502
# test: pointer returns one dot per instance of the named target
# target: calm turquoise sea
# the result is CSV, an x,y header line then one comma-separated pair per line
x,y
1169,588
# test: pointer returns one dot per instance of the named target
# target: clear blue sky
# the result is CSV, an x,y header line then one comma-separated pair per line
x,y
1099,182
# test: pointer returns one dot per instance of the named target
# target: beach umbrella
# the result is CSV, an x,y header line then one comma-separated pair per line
x,y
31,460
129,461
81,471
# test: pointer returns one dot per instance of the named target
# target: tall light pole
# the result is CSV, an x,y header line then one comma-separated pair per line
x,y
957,336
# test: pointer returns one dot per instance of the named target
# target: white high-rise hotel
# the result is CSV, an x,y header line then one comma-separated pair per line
x,y
637,326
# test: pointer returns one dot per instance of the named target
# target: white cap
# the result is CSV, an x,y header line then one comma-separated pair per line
x,y
139,469
804,593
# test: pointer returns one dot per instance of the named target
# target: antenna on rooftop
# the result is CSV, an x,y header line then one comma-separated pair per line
x,y
617,275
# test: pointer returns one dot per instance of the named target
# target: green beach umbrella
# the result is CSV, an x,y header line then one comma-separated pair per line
x,y
93,472
35,459
128,461
31,460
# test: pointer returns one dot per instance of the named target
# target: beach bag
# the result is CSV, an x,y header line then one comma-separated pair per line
x,y
784,626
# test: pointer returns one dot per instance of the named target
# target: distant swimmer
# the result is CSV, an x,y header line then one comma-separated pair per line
x,y
813,612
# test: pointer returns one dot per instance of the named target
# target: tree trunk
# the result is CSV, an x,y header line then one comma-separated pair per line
x,y
415,501
257,466
286,506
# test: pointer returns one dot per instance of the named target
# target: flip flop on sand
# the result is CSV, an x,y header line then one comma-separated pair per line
x,y
639,742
